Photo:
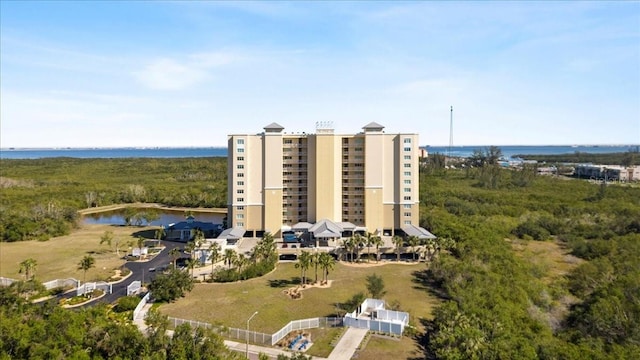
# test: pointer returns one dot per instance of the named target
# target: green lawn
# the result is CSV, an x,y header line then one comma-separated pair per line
x,y
233,303
58,257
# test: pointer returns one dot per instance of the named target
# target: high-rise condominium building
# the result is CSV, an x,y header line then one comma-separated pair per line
x,y
278,179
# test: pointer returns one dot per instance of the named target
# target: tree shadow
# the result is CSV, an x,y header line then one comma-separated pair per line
x,y
282,283
146,234
425,281
423,339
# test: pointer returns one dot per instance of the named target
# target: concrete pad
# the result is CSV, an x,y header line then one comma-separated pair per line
x,y
348,344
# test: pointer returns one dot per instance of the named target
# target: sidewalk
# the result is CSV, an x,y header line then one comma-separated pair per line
x,y
348,344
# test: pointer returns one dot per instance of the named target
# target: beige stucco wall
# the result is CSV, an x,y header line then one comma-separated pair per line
x,y
327,178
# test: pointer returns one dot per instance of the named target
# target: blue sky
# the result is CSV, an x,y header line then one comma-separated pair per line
x,y
110,74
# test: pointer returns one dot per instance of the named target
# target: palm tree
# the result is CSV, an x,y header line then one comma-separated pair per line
x,y
358,240
85,264
368,242
140,243
377,241
240,261
175,254
398,241
315,260
327,262
160,233
304,262
107,237
413,242
191,264
372,240
346,245
229,256
214,254
430,248
28,267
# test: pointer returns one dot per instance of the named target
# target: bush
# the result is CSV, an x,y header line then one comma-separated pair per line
x,y
127,303
532,229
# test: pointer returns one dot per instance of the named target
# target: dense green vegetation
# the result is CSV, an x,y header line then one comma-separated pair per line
x,y
29,331
497,305
628,158
40,197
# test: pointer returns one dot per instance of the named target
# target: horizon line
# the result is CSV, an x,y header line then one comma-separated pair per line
x,y
10,148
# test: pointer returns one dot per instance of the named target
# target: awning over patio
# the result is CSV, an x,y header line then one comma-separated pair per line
x,y
421,233
235,233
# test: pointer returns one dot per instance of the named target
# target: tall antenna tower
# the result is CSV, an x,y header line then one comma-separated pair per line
x,y
450,132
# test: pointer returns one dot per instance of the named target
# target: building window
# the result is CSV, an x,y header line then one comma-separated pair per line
x,y
240,199
407,189
407,173
240,175
407,206
240,208
288,141
240,142
239,224
407,165
240,183
239,216
407,140
407,149
240,191
407,181
240,166
407,214
240,150
407,157
407,222
407,197
240,158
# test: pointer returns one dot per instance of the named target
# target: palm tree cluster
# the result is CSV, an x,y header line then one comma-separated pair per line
x,y
261,260
321,260
354,244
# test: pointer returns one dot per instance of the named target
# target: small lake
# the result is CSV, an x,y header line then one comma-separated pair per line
x,y
166,217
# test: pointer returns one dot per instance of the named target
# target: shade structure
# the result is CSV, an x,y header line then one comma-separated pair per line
x,y
421,233
235,233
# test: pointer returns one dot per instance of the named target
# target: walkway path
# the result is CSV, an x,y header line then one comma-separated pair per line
x,y
348,344
344,350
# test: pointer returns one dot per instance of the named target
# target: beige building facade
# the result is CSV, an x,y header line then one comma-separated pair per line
x,y
278,179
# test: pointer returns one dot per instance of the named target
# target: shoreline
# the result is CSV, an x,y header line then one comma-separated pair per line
x,y
113,207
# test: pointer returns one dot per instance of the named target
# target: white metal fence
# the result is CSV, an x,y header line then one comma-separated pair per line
x,y
61,283
258,337
141,304
89,287
134,287
6,281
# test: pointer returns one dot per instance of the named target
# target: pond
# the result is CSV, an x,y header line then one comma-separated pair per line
x,y
165,217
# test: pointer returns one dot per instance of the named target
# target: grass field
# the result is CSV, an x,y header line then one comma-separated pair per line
x,y
59,257
550,258
232,303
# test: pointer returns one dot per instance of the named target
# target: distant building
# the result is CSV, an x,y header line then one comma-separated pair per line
x,y
276,180
186,230
608,172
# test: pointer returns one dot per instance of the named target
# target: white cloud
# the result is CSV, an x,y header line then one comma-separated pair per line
x,y
167,74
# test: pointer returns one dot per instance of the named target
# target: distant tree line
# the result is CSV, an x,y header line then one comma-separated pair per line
x,y
40,197
631,157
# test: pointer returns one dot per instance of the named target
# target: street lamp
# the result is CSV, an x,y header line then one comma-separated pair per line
x,y
247,347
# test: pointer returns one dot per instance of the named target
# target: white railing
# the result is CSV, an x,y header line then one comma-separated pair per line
x,y
141,304
134,287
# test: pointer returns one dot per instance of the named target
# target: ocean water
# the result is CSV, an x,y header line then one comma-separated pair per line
x,y
105,153
512,150
462,151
